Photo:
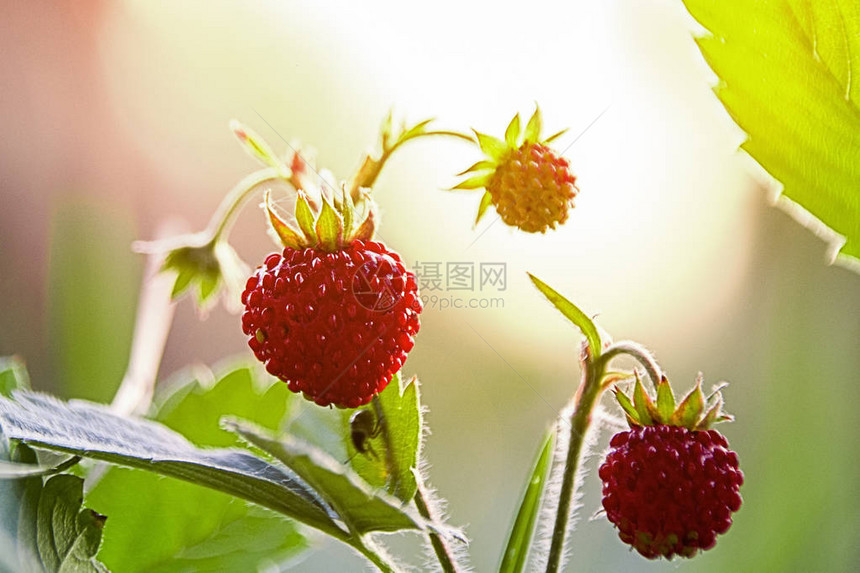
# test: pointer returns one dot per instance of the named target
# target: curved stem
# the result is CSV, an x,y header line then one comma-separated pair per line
x,y
370,168
580,418
224,216
640,354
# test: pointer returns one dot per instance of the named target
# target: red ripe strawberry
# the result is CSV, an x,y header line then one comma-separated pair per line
x,y
670,485
335,314
530,185
335,326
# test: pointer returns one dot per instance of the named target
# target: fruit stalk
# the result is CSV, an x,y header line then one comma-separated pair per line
x,y
370,168
222,220
586,397
440,547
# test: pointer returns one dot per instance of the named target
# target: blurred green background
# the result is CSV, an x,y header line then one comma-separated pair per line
x,y
115,117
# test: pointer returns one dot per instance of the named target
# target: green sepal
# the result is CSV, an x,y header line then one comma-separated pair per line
x,y
367,228
689,411
475,182
257,148
627,406
493,147
305,216
329,227
715,413
512,133
642,402
665,400
385,131
202,268
555,136
483,165
533,128
347,211
486,201
415,130
288,237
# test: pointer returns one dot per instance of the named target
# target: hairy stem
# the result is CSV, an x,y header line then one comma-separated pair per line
x,y
639,353
367,548
580,418
440,546
371,168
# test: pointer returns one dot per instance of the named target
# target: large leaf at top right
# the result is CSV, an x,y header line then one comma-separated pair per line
x,y
790,77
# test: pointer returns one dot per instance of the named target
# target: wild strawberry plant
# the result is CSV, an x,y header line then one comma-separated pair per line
x,y
331,316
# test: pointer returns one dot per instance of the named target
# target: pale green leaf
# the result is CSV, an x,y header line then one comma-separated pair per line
x,y
362,508
43,528
13,375
398,440
573,314
92,430
230,535
790,77
516,552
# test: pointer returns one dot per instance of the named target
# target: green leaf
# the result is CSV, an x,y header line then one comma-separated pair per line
x,y
68,537
512,133
519,540
43,527
398,414
363,509
486,201
230,535
493,147
305,217
91,430
573,314
534,126
13,375
787,77
329,227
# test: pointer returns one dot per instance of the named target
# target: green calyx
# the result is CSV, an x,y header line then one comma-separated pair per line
x,y
694,412
331,226
496,151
